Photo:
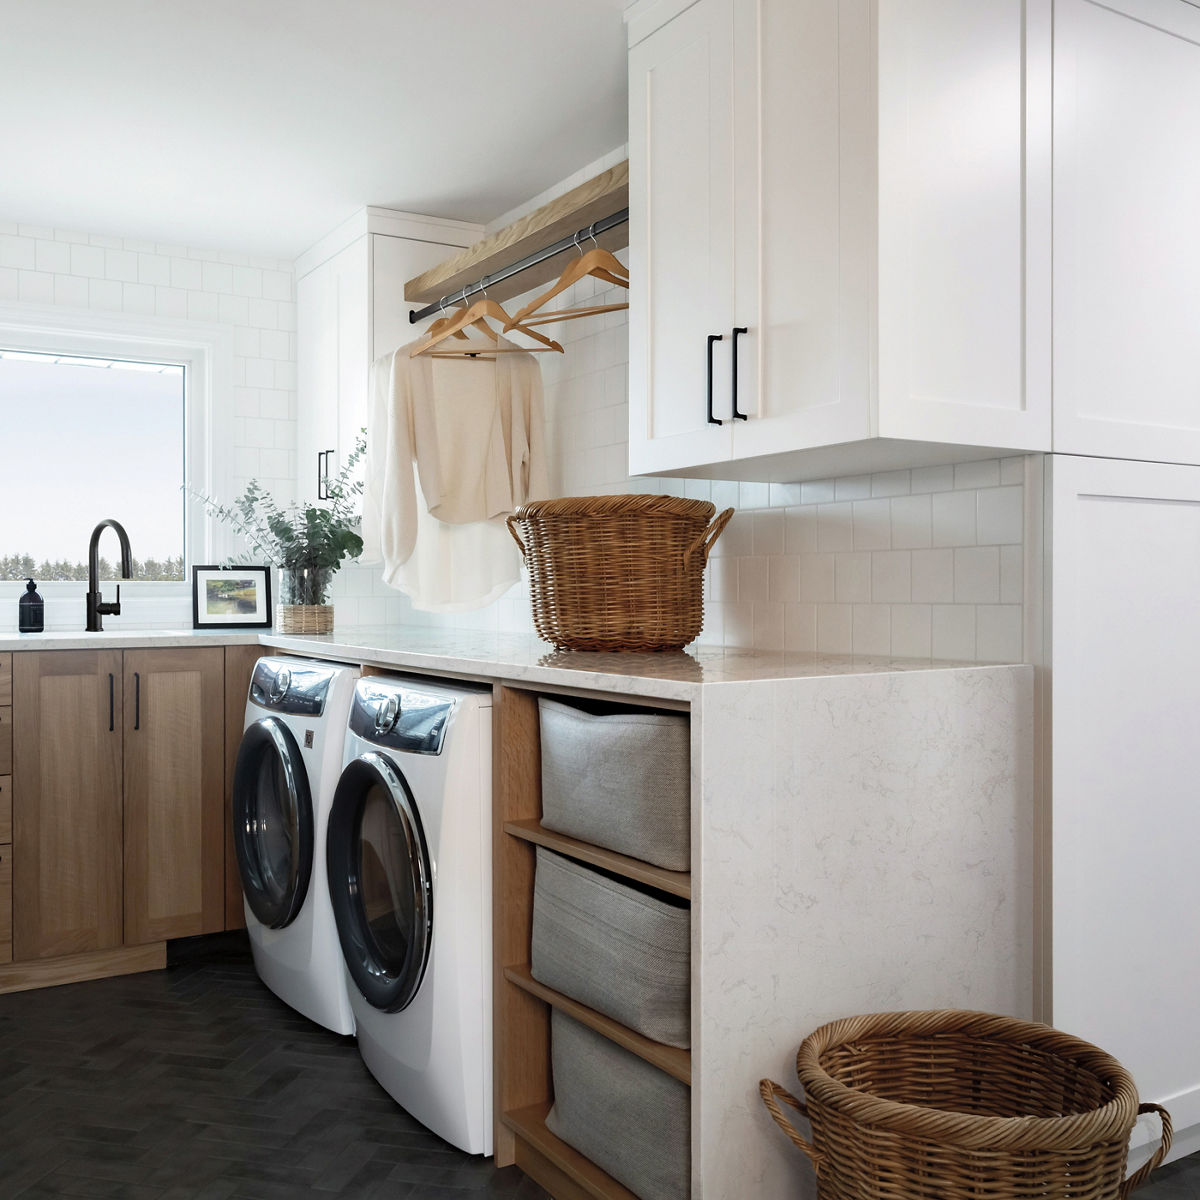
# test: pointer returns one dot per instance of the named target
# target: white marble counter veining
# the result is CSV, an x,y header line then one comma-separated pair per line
x,y
125,639
675,675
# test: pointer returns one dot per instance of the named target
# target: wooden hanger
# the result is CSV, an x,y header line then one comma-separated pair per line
x,y
571,314
475,314
598,262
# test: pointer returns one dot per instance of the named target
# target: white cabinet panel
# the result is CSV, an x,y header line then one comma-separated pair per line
x,y
1127,235
1125,678
316,374
964,221
681,259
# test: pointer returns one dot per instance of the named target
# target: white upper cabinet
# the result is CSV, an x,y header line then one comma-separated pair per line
x,y
350,309
1127,229
865,190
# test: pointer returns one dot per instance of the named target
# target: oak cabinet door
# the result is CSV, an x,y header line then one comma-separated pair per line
x,y
66,802
174,736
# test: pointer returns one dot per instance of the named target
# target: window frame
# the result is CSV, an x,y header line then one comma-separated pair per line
x,y
206,353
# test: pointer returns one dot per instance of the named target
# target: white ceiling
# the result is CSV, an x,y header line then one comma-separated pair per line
x,y
259,125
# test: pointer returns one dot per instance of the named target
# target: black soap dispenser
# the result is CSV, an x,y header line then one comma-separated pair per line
x,y
31,618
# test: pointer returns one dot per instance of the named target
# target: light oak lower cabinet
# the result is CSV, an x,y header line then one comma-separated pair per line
x,y
67,835
174,793
118,791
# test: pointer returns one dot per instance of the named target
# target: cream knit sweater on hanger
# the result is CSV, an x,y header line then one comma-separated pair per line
x,y
474,431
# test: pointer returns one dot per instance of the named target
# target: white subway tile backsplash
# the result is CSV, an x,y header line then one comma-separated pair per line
x,y
817,491
912,522
52,256
852,487
1000,515
800,628
1012,470
71,291
10,283
953,515
835,527
818,578
187,273
88,261
982,474
170,302
835,631
852,578
217,277
891,577
912,630
754,580
18,252
1012,574
953,628
138,298
976,575
872,629
105,294
37,287
203,306
121,264
998,633
933,576
800,530
768,532
872,524
891,483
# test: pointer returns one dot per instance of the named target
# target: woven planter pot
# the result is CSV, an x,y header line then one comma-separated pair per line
x,y
304,618
948,1105
617,572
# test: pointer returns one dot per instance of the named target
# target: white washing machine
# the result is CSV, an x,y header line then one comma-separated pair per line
x,y
287,769
410,877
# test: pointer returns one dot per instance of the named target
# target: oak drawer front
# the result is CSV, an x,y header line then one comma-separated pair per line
x,y
5,904
5,678
6,741
5,809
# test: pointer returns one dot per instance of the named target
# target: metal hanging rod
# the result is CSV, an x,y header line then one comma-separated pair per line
x,y
523,264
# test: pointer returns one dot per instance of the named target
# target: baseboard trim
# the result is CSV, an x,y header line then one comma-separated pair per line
x,y
76,968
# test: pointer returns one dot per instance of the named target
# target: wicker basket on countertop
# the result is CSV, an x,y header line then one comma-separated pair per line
x,y
304,618
950,1104
617,572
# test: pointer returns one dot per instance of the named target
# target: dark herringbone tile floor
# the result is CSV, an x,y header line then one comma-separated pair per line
x,y
195,1083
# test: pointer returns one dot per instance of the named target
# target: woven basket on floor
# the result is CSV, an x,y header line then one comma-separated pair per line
x,y
951,1104
304,618
617,572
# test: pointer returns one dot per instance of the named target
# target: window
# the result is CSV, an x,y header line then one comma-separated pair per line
x,y
95,437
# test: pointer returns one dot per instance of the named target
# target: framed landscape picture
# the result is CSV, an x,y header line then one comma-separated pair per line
x,y
231,597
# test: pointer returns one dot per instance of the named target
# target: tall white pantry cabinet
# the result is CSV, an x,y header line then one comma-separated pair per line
x,y
912,231
350,309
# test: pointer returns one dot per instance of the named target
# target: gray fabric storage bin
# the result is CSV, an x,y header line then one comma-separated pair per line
x,y
613,947
631,1119
619,779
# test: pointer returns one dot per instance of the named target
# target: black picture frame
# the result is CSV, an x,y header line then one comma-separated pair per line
x,y
225,588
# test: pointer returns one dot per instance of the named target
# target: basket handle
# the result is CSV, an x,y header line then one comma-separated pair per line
x,y
771,1094
511,521
712,531
1140,1176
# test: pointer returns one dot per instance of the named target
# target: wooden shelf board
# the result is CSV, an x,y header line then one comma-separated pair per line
x,y
677,883
600,197
672,1060
529,1124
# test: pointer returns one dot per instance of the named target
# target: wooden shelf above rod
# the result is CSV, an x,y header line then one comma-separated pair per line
x,y
600,197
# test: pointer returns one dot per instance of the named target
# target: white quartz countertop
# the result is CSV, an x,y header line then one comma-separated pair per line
x,y
125,639
479,654
675,675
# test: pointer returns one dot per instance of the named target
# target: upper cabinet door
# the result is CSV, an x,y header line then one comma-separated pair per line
x,y
681,239
803,214
964,103
1126,229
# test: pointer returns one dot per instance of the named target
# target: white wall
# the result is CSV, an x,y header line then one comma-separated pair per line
x,y
64,272
914,563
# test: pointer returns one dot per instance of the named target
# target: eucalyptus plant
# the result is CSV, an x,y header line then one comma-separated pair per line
x,y
307,541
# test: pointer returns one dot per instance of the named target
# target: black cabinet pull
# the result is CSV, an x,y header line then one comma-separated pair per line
x,y
737,416
712,337
110,702
137,701
323,474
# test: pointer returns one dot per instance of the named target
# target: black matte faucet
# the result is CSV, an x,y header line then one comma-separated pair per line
x,y
97,608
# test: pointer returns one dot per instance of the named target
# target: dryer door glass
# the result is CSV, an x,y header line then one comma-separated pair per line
x,y
273,822
380,882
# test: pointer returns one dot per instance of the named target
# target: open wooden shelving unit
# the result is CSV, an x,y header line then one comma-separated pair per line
x,y
523,1092
599,197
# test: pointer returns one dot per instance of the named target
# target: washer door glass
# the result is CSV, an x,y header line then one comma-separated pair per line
x,y
380,882
273,822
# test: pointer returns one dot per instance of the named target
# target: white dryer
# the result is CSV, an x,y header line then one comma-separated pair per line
x,y
410,875
287,769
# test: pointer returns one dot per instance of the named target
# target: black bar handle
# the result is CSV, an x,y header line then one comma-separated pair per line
x,y
137,700
110,702
737,416
712,337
